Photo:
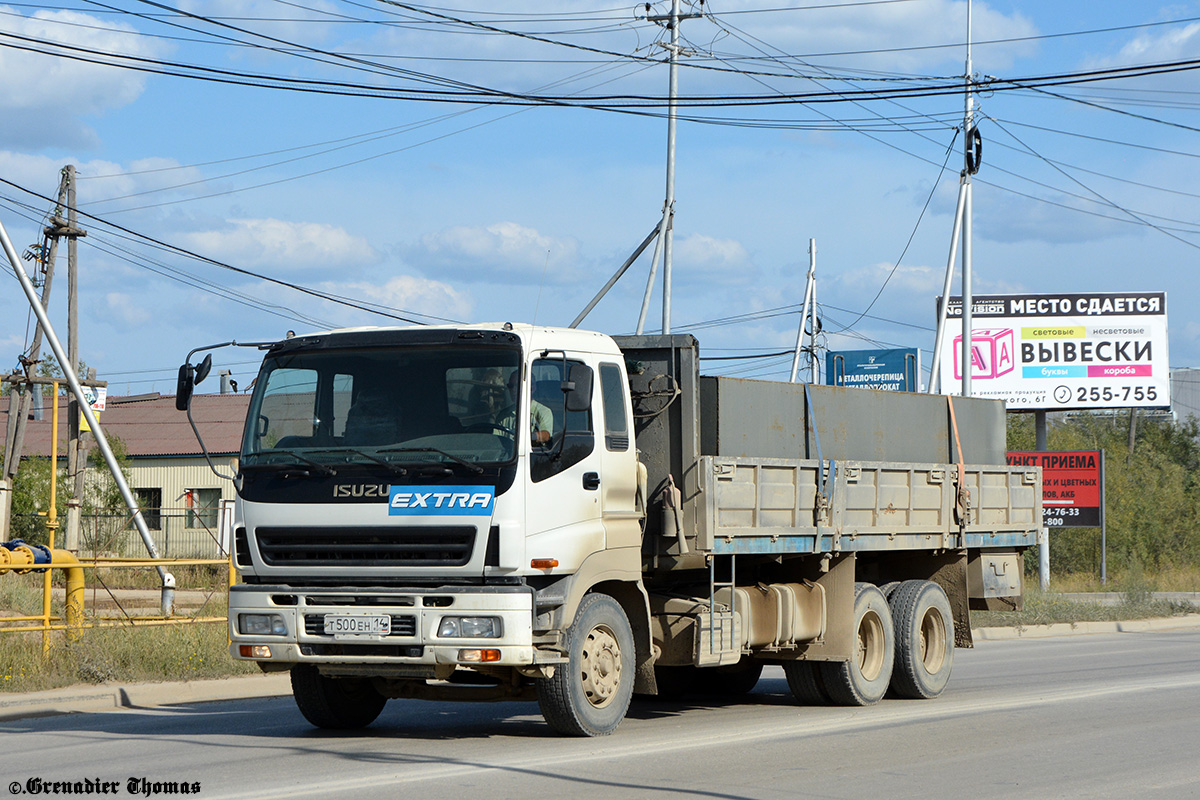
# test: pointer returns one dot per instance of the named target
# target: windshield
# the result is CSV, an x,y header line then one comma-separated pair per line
x,y
383,406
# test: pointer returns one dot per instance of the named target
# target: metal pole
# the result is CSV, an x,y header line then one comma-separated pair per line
x,y
662,227
168,580
613,280
810,284
967,331
812,337
1043,541
935,378
1039,427
1103,526
74,468
670,217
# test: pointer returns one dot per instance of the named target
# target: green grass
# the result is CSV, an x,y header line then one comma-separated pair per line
x,y
123,654
1051,607
118,655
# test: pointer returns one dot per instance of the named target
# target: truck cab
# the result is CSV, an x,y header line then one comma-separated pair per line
x,y
413,503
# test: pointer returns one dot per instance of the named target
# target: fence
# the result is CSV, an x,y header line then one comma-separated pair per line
x,y
177,532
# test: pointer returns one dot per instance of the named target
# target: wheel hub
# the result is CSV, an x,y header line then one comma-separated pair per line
x,y
601,664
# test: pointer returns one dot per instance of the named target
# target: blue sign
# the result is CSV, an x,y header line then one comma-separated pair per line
x,y
891,370
447,501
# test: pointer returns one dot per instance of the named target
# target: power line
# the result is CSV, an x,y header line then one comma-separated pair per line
x,y
361,305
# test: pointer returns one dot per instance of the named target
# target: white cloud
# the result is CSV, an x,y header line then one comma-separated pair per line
x,y
409,293
284,245
42,96
504,251
1170,44
915,280
309,23
125,311
703,261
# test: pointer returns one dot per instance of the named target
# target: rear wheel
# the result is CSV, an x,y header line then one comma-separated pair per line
x,y
924,639
864,679
589,695
336,703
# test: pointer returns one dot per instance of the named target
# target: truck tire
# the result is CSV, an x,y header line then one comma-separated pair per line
x,y
589,695
864,679
924,640
336,703
805,681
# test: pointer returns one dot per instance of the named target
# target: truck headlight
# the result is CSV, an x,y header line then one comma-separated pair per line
x,y
261,625
469,628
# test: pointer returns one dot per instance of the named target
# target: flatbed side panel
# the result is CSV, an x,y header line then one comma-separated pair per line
x,y
771,505
754,418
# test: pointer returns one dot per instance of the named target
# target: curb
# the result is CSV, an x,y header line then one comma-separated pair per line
x,y
76,699
1187,622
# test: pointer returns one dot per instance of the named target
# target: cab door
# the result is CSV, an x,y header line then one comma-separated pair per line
x,y
563,499
618,459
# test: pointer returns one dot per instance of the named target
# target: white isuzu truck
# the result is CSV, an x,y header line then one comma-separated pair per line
x,y
509,511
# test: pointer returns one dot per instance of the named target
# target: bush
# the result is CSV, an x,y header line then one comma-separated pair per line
x,y
1153,494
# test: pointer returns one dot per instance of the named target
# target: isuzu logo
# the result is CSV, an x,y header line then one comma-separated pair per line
x,y
344,490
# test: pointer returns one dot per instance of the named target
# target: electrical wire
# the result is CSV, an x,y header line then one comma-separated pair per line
x,y
360,305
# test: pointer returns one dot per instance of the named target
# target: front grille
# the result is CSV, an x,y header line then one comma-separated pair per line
x,y
442,546
389,650
402,625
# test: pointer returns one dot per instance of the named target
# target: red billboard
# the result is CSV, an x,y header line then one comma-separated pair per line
x,y
1072,486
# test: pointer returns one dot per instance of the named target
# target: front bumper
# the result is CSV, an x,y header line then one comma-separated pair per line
x,y
416,615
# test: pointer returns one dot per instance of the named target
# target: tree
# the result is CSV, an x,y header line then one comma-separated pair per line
x,y
31,492
1152,497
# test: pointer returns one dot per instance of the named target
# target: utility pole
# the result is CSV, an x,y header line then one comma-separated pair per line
x,y
810,301
970,166
76,453
666,235
20,400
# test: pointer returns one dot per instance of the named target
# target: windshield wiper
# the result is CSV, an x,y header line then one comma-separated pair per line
x,y
394,468
321,469
478,470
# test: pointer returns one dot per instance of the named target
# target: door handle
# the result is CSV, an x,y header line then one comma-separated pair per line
x,y
591,481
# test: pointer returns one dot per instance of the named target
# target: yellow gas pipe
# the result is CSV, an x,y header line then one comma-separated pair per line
x,y
22,559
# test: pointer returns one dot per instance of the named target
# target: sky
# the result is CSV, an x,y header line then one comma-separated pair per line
x,y
459,163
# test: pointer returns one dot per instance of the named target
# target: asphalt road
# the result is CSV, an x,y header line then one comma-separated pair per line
x,y
1088,716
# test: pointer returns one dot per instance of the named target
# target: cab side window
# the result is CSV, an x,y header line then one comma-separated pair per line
x,y
616,420
572,438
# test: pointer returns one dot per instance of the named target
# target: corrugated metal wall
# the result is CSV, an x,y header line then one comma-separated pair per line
x,y
179,534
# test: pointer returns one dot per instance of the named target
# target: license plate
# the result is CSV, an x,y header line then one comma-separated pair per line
x,y
340,625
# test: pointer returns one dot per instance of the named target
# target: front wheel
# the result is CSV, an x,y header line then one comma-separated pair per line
x,y
336,703
589,695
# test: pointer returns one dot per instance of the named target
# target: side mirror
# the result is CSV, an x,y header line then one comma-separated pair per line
x,y
189,376
578,388
183,388
204,368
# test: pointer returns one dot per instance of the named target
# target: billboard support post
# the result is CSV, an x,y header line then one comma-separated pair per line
x,y
1043,541
1103,527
